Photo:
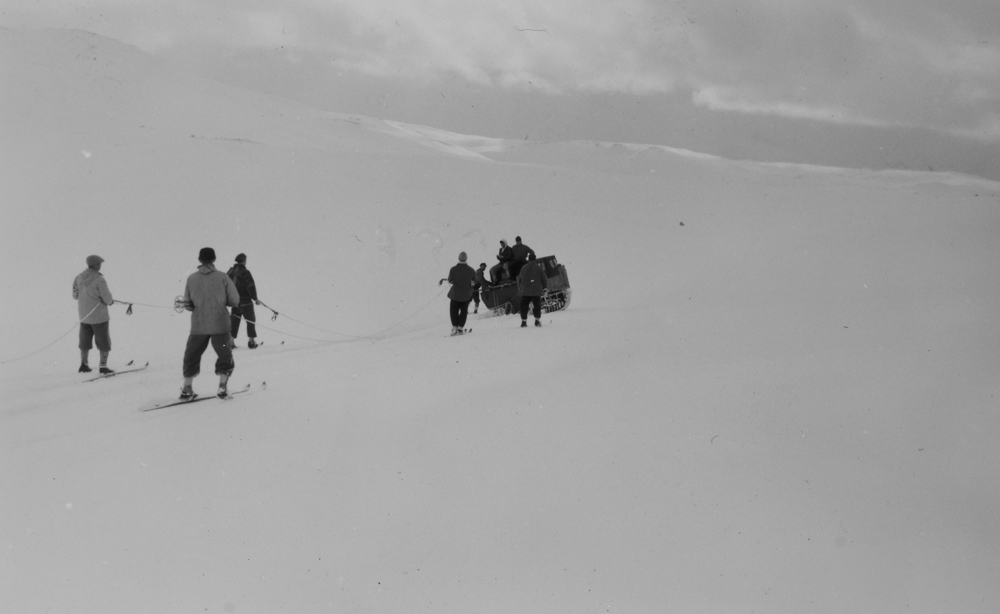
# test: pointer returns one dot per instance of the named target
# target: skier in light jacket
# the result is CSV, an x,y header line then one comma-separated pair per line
x,y
207,295
92,299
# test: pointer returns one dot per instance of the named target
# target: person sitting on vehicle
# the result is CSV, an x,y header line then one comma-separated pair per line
x,y
505,256
520,254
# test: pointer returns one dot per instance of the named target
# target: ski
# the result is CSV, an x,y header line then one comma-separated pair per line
x,y
122,372
464,331
194,399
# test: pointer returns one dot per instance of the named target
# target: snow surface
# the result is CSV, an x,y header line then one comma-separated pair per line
x,y
775,389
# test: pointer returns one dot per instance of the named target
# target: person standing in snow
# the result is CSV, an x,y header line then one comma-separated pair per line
x,y
92,299
207,293
532,285
248,298
480,284
462,278
505,255
519,256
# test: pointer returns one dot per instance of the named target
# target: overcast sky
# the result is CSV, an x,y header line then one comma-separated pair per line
x,y
898,63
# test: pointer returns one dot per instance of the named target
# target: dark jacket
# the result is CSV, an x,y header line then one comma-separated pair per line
x,y
244,282
531,280
462,278
506,254
481,280
520,252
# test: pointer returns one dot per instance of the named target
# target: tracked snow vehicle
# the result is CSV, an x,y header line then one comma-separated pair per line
x,y
505,297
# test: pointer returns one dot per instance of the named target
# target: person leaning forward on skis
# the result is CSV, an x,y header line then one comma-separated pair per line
x,y
206,295
247,290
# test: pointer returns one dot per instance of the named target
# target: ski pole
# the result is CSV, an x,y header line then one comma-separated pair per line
x,y
128,311
275,313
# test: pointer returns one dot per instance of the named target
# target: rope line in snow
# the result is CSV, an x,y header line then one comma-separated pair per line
x,y
275,330
353,337
40,350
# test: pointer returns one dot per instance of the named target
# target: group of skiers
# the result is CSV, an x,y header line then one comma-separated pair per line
x,y
208,294
515,262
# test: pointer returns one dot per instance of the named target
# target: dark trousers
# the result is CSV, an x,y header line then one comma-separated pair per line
x,y
243,312
515,268
531,300
197,344
459,313
95,332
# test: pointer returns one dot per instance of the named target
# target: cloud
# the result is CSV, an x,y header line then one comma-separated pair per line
x,y
866,62
987,131
558,46
848,63
722,99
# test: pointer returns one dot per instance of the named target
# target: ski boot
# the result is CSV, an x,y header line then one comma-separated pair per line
x,y
223,393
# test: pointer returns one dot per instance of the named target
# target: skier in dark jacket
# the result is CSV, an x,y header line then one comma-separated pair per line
x,y
462,278
519,256
532,285
505,255
248,298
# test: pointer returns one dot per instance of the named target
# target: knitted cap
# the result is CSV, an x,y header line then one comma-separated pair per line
x,y
207,254
241,258
462,257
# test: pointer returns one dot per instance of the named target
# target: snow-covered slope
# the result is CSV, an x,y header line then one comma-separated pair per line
x,y
775,389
